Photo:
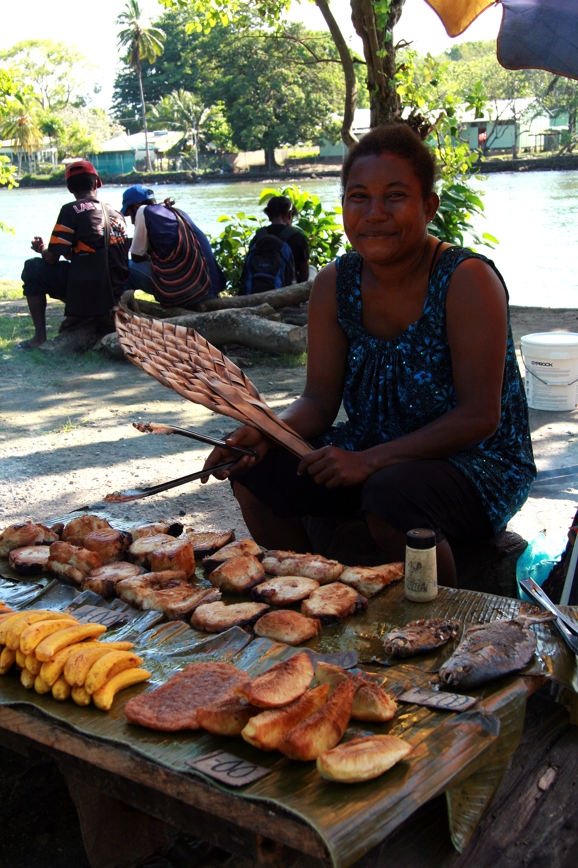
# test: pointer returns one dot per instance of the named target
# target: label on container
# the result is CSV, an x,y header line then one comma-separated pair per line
x,y
441,701
420,583
228,769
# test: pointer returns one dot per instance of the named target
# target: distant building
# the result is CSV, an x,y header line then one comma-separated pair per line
x,y
124,154
47,154
508,124
335,153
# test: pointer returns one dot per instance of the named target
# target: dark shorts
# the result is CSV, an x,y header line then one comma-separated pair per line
x,y
40,278
432,494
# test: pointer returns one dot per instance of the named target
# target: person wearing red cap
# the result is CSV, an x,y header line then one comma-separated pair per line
x,y
91,274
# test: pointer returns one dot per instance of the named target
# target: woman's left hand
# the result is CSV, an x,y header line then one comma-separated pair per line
x,y
333,467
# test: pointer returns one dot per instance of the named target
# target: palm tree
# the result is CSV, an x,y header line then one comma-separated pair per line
x,y
143,43
22,127
180,110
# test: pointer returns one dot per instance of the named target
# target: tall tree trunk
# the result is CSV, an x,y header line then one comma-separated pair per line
x,y
144,113
347,134
376,33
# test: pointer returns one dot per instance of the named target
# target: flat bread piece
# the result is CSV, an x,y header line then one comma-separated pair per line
x,y
284,590
175,705
165,592
332,603
362,758
232,550
238,575
206,542
29,560
371,580
104,579
218,617
281,563
287,626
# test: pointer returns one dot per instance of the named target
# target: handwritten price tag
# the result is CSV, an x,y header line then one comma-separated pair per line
x,y
441,701
228,769
345,659
98,615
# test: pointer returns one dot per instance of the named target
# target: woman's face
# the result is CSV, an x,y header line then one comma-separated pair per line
x,y
385,215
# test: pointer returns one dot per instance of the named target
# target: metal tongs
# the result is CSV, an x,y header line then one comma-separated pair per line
x,y
152,428
567,628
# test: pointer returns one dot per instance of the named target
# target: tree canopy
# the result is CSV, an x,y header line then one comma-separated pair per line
x,y
56,72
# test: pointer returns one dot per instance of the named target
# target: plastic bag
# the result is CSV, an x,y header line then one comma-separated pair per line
x,y
536,562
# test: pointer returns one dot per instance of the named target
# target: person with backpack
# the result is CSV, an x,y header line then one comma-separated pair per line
x,y
278,254
171,258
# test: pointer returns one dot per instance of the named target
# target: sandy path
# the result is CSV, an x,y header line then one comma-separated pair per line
x,y
66,439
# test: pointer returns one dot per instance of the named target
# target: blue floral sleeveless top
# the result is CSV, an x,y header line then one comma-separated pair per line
x,y
395,387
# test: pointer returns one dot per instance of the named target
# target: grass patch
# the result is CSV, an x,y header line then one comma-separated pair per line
x,y
10,289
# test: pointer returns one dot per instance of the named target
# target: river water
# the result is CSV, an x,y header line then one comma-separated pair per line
x,y
533,214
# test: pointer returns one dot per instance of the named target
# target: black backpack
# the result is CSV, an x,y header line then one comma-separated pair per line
x,y
269,263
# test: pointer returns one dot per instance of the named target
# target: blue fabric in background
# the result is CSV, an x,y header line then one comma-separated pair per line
x,y
540,34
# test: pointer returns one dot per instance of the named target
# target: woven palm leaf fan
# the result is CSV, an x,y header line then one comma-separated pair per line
x,y
184,361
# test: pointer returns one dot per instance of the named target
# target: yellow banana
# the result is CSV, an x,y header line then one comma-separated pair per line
x,y
68,636
109,666
79,665
7,660
27,679
15,632
103,698
32,664
20,658
13,619
80,696
60,689
36,633
40,686
53,668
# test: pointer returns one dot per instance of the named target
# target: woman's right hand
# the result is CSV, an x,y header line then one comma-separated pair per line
x,y
248,438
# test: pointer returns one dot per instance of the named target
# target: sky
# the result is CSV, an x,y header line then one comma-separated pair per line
x,y
91,28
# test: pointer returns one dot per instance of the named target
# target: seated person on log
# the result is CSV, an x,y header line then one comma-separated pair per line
x,y
413,335
93,279
278,254
171,258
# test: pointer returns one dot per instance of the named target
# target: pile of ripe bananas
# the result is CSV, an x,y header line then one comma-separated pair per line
x,y
57,654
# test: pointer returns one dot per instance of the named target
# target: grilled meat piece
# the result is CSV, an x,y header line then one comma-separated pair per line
x,y
281,684
323,570
323,729
165,592
29,560
78,529
238,575
371,580
176,555
152,528
421,636
488,651
362,758
228,717
218,617
72,562
287,626
175,705
266,730
109,543
284,590
332,603
232,550
16,536
205,543
141,549
104,580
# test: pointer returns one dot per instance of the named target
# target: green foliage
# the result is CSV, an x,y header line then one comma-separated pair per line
x,y
322,227
56,72
141,41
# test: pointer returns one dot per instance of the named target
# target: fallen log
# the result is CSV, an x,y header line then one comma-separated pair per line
x,y
152,308
287,296
110,344
191,320
223,327
77,339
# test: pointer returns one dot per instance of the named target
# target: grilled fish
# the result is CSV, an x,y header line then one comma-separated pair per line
x,y
489,651
417,637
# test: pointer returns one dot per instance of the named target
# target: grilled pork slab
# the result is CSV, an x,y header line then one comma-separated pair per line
x,y
29,560
421,636
371,580
165,592
287,626
176,555
323,570
218,617
152,528
140,550
175,705
72,562
109,543
284,590
332,603
205,543
362,758
266,730
281,684
16,536
238,575
78,529
323,729
104,579
232,550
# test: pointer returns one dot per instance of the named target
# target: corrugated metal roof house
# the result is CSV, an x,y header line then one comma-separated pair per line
x,y
124,154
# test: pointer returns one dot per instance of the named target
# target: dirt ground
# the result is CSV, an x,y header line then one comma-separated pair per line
x,y
66,436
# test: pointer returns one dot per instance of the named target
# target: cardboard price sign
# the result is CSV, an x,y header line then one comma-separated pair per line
x,y
439,700
228,769
98,615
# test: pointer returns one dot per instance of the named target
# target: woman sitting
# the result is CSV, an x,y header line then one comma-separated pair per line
x,y
413,336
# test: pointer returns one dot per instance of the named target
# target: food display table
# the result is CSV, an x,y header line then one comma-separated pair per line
x,y
463,755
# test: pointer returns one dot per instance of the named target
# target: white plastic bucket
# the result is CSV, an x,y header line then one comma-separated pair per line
x,y
551,363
